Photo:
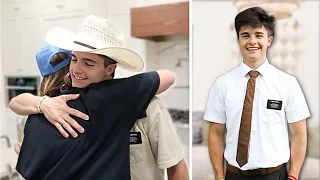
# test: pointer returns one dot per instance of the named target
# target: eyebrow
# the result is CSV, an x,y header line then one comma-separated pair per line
x,y
85,59
90,60
246,33
259,33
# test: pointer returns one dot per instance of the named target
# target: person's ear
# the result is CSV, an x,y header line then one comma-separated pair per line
x,y
270,38
110,69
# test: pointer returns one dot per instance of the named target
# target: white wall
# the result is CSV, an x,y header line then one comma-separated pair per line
x,y
211,21
1,79
211,50
307,71
173,54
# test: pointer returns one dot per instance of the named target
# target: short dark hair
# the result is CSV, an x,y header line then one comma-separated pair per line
x,y
255,17
107,62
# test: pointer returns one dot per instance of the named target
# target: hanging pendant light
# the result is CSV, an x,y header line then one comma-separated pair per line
x,y
280,9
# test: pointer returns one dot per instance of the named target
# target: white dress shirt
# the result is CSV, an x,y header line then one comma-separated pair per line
x,y
278,100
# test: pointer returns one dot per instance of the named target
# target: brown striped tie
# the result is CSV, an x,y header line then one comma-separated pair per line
x,y
245,125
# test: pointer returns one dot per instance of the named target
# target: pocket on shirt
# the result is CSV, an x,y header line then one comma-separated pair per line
x,y
273,116
137,153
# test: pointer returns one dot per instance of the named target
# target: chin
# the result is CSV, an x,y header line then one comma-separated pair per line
x,y
77,85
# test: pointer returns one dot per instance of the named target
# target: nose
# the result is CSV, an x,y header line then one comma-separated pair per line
x,y
77,67
252,41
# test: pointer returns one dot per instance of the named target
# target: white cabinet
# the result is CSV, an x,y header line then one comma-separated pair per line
x,y
31,43
52,7
10,8
29,8
25,23
18,21
20,42
62,6
11,47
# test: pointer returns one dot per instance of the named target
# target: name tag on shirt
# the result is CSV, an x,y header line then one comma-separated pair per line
x,y
135,138
274,104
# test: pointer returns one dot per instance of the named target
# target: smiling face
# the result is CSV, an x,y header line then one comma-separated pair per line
x,y
253,43
88,68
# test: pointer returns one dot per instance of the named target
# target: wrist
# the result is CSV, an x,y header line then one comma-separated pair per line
x,y
292,177
220,178
40,104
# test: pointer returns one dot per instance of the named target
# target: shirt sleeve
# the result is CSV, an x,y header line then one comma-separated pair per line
x,y
129,96
215,110
148,86
163,137
296,108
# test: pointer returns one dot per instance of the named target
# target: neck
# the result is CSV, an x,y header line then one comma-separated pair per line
x,y
107,78
254,64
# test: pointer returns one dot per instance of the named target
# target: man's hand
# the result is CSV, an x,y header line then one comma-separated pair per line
x,y
58,113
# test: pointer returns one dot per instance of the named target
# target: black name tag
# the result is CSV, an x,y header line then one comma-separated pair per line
x,y
274,104
135,138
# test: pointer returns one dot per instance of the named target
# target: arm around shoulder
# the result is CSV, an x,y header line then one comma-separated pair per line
x,y
167,78
24,104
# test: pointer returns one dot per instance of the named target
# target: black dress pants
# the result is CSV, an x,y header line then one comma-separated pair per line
x,y
281,174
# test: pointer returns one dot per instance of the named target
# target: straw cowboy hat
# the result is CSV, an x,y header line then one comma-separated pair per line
x,y
99,36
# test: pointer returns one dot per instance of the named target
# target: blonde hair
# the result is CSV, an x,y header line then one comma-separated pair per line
x,y
60,80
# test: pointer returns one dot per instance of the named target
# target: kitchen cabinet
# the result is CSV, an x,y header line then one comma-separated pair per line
x,y
18,20
162,20
20,39
11,47
54,7
25,23
10,8
62,6
31,42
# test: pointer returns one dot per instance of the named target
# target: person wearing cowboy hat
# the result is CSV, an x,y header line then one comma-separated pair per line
x,y
148,149
102,152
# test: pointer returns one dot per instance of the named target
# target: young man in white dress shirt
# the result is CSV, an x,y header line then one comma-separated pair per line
x,y
276,100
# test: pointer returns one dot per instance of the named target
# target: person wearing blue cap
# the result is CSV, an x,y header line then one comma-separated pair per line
x,y
53,63
47,61
82,153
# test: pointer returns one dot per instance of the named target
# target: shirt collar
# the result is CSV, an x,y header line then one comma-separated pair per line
x,y
263,69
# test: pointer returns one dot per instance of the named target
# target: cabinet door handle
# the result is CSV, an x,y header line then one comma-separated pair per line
x,y
60,7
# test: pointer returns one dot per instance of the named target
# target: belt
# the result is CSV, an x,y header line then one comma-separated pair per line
x,y
254,172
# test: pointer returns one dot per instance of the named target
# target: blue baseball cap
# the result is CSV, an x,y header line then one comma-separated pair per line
x,y
44,56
